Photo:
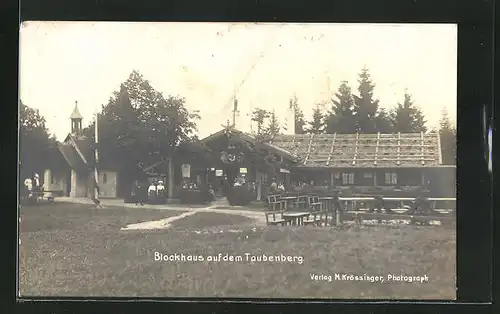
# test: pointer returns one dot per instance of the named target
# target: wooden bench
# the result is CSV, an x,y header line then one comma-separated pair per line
x,y
275,218
314,203
314,219
274,201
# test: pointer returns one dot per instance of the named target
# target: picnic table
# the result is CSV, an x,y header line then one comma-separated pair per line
x,y
297,218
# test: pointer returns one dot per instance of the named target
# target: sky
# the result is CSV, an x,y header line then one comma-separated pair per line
x,y
263,65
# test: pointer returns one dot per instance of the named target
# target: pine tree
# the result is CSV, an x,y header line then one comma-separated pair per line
x,y
259,116
341,118
298,116
273,127
383,122
317,124
448,135
407,117
365,107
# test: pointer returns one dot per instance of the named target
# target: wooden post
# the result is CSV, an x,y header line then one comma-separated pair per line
x,y
332,179
374,178
170,170
96,173
423,178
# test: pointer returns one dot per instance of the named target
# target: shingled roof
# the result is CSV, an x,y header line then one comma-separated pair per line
x,y
363,150
252,139
72,158
73,146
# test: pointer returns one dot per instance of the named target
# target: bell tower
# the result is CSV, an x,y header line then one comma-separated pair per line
x,y
76,121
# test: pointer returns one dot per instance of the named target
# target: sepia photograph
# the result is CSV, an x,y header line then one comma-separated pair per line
x,y
237,160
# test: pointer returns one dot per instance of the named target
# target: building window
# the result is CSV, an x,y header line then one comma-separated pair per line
x,y
104,178
391,178
347,178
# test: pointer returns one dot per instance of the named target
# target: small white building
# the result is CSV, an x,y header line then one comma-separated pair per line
x,y
75,177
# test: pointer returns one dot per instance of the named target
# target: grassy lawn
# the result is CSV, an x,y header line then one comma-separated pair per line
x,y
205,220
69,250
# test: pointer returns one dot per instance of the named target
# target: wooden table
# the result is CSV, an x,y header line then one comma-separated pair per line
x,y
296,218
287,200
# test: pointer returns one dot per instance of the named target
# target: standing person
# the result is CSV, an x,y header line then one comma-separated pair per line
x,y
274,186
27,189
35,183
142,192
135,193
152,189
160,189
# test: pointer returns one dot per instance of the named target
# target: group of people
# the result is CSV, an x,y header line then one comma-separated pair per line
x,y
141,191
277,187
31,185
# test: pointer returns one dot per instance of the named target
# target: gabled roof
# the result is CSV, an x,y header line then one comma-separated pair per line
x,y
82,152
250,138
72,158
363,150
76,113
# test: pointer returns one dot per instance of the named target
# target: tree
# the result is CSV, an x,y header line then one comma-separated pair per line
x,y
150,125
407,117
365,107
383,121
298,116
273,127
341,118
448,136
37,148
259,116
317,124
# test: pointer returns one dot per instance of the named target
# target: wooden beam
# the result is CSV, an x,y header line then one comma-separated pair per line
x,y
372,159
399,146
376,149
331,149
356,149
381,216
440,153
309,148
422,148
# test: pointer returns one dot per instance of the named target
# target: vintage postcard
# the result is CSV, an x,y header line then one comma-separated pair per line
x,y
230,160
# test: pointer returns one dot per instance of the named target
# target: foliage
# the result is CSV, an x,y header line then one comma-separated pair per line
x,y
141,126
341,117
273,127
317,124
298,116
448,135
365,106
383,121
407,117
260,116
37,148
